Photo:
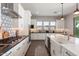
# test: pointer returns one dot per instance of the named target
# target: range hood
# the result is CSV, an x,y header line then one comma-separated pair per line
x,y
10,12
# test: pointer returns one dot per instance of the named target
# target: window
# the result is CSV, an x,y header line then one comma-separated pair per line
x,y
46,23
39,23
52,23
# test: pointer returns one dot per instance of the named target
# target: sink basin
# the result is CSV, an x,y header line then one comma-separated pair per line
x,y
62,41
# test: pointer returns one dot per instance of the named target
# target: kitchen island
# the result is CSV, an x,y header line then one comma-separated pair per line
x,y
15,47
63,45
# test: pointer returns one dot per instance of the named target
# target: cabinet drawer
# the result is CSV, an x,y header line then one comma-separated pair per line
x,y
55,48
66,52
10,52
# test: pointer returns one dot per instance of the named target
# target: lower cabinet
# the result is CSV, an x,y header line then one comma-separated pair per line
x,y
19,50
38,36
58,50
52,48
55,49
46,42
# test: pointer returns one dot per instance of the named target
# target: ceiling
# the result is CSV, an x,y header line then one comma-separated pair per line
x,y
49,9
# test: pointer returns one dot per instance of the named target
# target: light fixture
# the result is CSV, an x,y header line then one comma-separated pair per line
x,y
76,12
62,18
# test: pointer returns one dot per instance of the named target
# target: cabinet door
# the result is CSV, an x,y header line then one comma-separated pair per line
x,y
11,52
19,50
38,36
25,44
55,49
46,42
66,52
7,5
33,36
52,48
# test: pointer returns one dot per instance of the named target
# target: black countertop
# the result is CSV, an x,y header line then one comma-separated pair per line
x,y
42,32
10,44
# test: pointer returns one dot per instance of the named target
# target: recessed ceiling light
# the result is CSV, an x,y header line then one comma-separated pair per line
x,y
57,12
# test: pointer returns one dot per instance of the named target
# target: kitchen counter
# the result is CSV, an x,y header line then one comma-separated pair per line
x,y
73,46
12,41
71,43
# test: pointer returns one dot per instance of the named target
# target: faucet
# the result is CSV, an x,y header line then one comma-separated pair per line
x,y
68,36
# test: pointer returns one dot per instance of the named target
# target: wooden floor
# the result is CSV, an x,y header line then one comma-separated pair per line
x,y
37,48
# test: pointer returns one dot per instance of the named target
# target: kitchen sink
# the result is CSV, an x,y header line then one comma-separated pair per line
x,y
62,41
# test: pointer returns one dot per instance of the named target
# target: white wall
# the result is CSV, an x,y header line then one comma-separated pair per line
x,y
41,18
69,23
59,23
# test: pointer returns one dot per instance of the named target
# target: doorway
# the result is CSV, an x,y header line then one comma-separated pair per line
x,y
76,26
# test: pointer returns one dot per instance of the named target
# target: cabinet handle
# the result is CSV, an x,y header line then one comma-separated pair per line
x,y
67,53
9,53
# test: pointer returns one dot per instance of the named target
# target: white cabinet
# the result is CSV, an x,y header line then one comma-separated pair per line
x,y
58,50
25,46
66,52
15,7
25,21
52,48
55,49
18,50
39,36
10,52
46,42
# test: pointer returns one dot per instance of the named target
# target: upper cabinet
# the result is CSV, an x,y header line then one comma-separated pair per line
x,y
0,14
10,9
7,5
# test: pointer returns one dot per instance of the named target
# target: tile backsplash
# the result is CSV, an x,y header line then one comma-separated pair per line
x,y
7,24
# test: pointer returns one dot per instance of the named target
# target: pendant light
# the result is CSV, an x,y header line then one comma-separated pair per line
x,y
62,18
76,12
